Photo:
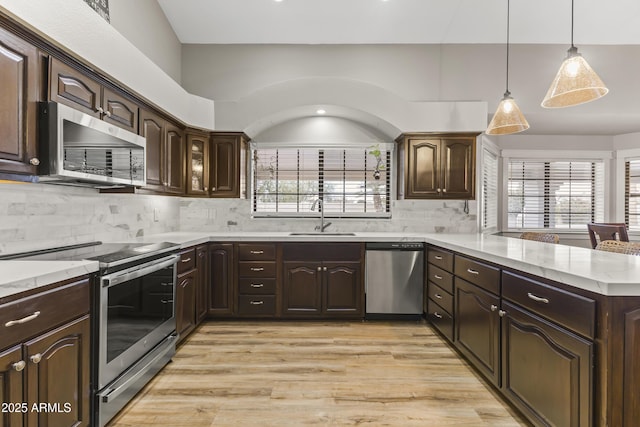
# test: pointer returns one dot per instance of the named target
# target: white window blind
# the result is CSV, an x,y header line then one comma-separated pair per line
x,y
489,190
288,181
632,194
554,194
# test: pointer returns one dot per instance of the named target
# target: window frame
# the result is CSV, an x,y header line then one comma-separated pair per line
x,y
622,157
494,150
384,146
557,156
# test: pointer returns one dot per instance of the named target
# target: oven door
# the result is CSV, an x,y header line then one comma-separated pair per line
x,y
136,313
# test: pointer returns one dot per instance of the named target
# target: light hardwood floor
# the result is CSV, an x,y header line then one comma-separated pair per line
x,y
316,373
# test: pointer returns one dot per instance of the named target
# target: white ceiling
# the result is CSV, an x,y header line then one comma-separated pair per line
x,y
533,22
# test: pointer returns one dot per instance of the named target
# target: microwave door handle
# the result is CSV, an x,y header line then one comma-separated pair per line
x,y
120,277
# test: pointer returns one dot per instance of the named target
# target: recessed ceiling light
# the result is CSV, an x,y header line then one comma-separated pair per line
x,y
321,111
277,1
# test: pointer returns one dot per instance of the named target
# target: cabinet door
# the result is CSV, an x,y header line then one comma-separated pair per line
x,y
197,164
174,160
202,282
422,176
11,373
222,279
186,303
58,374
152,128
547,371
119,111
302,288
457,168
70,87
477,328
19,79
224,172
343,288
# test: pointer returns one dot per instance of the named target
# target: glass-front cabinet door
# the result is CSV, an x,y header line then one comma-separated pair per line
x,y
198,164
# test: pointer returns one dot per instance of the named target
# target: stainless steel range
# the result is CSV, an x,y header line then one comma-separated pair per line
x,y
134,325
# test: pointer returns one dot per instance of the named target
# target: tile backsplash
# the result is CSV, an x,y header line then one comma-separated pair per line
x,y
37,216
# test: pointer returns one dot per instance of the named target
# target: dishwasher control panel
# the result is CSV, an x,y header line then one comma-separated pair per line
x,y
391,246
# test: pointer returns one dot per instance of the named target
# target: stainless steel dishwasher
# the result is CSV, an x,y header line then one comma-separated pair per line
x,y
394,279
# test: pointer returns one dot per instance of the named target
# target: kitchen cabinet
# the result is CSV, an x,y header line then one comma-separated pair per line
x,y
228,165
221,265
257,279
69,86
185,294
198,164
202,282
439,306
436,166
165,153
323,280
19,79
45,356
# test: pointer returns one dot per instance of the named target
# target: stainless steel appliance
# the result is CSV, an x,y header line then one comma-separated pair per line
x,y
394,279
79,148
133,315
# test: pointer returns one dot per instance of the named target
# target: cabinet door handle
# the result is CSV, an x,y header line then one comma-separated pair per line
x,y
494,307
256,252
108,113
324,268
36,358
438,315
34,161
444,190
257,285
438,190
23,320
186,260
319,268
438,296
438,257
256,302
99,110
19,366
437,277
166,301
501,313
472,271
257,268
537,298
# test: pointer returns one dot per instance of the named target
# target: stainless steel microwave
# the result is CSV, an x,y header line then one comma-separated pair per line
x,y
77,148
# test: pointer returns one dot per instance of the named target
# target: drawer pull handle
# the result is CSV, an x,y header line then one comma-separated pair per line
x,y
257,285
166,301
437,277
438,315
537,298
257,268
186,260
256,302
494,307
438,257
501,313
23,320
256,252
438,296
36,358
19,366
472,271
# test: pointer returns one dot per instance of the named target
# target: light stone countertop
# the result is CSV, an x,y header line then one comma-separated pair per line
x,y
600,272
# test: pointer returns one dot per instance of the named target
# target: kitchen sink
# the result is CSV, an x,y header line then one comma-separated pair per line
x,y
321,233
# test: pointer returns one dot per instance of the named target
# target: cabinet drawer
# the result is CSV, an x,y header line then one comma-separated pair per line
x,y
256,251
440,258
53,307
187,260
570,310
440,319
482,275
256,268
257,305
257,286
440,296
440,277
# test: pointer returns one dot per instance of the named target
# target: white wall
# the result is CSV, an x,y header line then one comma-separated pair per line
x,y
144,24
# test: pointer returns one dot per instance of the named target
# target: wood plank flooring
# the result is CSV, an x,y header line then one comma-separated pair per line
x,y
316,373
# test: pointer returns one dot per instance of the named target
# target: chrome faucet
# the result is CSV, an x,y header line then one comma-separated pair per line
x,y
323,225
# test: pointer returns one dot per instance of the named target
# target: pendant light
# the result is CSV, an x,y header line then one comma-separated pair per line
x,y
508,118
576,82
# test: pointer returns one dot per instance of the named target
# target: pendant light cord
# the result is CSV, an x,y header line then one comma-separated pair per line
x,y
572,24
508,47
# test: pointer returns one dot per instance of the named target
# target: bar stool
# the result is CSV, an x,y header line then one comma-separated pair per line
x,y
540,237
619,247
599,232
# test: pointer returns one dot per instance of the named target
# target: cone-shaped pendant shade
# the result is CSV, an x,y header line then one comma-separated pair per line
x,y
507,119
575,83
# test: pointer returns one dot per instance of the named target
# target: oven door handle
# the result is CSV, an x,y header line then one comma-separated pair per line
x,y
134,273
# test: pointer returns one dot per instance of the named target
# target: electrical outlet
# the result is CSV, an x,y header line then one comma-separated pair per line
x,y
156,214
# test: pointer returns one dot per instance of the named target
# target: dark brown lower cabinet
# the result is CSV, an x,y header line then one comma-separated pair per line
x,y
11,386
302,288
202,282
546,370
186,303
477,328
342,288
221,267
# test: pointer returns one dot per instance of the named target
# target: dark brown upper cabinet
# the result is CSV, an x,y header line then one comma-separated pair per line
x,y
436,166
228,167
19,81
198,163
73,88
